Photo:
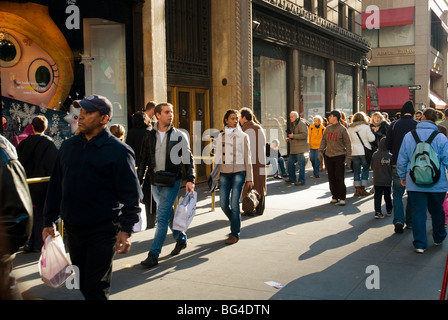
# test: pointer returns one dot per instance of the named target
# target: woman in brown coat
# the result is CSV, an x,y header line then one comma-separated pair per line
x,y
257,137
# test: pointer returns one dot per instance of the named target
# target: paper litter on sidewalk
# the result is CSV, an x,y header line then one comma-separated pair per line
x,y
274,284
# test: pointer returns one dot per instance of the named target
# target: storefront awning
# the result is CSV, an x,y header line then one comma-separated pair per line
x,y
392,17
392,98
437,100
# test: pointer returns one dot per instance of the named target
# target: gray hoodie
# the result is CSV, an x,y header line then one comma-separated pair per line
x,y
381,166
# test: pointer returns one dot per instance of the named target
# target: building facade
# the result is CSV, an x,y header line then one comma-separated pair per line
x,y
204,56
409,51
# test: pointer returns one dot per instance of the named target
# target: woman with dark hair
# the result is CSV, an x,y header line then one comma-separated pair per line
x,y
141,124
233,157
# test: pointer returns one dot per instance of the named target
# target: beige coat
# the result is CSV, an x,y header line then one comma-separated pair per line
x,y
233,153
257,139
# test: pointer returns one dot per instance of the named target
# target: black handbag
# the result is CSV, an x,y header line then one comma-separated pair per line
x,y
368,153
164,179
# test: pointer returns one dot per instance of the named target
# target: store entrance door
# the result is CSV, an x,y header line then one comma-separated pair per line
x,y
192,114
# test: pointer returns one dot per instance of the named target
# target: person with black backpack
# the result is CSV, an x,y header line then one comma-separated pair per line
x,y
421,166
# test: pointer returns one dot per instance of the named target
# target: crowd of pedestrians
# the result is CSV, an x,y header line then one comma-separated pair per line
x,y
100,177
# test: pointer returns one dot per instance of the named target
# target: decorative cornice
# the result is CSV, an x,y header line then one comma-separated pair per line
x,y
299,13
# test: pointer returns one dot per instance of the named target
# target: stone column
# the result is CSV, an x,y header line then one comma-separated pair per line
x,y
231,43
154,51
294,83
330,84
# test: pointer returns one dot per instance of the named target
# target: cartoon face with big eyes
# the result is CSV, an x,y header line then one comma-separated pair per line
x,y
28,73
35,60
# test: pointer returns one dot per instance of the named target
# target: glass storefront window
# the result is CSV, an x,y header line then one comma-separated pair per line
x,y
344,89
312,79
270,97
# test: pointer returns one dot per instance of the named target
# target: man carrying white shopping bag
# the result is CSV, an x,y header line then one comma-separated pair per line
x,y
185,211
164,151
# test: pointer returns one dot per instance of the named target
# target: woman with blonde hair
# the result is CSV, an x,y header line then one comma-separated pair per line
x,y
379,127
361,136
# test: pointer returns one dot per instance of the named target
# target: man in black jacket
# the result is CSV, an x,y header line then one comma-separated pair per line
x,y
16,212
164,150
37,154
394,137
95,190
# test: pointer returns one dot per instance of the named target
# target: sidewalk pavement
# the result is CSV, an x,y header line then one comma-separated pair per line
x,y
319,251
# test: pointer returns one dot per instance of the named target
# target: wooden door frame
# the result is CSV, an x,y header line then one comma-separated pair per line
x,y
173,98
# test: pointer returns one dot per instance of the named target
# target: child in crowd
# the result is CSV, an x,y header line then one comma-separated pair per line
x,y
382,178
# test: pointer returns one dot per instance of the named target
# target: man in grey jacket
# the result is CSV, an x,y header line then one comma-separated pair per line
x,y
298,145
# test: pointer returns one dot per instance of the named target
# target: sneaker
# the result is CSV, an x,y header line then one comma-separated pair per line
x,y
180,245
289,181
276,176
419,250
341,202
334,201
388,213
379,215
150,261
438,244
398,227
298,183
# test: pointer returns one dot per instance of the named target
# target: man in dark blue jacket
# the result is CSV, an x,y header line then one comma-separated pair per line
x,y
394,137
95,190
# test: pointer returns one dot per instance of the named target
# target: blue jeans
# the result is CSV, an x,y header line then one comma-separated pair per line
x,y
360,171
275,163
433,202
165,198
397,193
298,158
230,188
314,158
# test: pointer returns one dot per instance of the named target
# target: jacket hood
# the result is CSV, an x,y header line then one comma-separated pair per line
x,y
356,125
382,145
427,124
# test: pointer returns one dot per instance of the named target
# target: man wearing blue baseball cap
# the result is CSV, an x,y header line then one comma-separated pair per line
x,y
95,190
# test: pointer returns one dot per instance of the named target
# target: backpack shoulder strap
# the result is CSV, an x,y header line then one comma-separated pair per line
x,y
415,135
432,136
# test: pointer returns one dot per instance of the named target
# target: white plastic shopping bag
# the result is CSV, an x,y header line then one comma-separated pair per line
x,y
54,266
141,224
185,211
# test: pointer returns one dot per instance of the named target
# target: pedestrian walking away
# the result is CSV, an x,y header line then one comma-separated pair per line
x,y
336,148
257,138
16,217
95,190
234,160
426,197
361,136
298,145
382,179
394,137
162,166
37,154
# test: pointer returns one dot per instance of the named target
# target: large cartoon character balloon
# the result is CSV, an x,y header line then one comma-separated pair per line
x,y
35,59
